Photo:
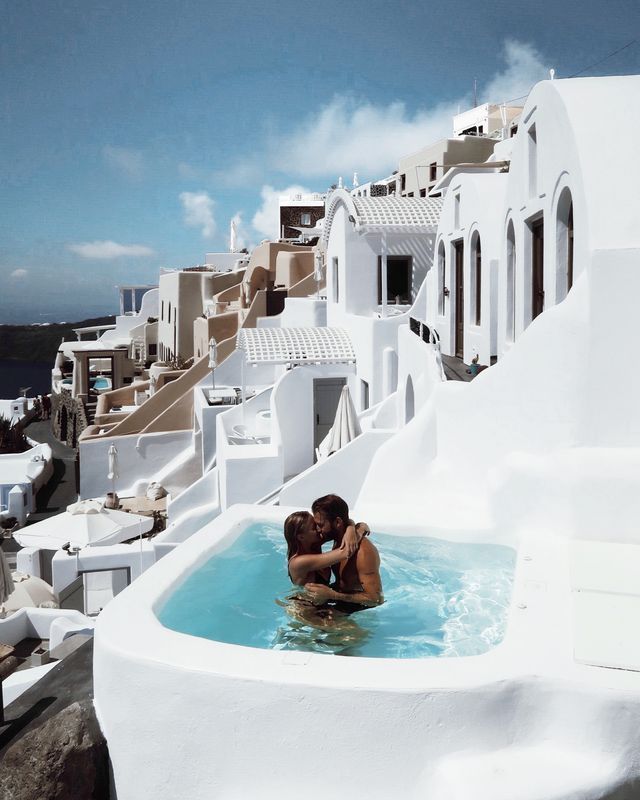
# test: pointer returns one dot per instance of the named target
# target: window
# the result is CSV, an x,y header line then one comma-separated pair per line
x,y
162,311
398,280
153,349
410,194
403,182
305,218
336,287
169,317
433,171
423,192
532,143
456,212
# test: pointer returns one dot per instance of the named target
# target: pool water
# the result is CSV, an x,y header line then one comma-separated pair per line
x,y
441,599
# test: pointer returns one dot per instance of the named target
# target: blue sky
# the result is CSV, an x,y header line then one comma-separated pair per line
x,y
133,132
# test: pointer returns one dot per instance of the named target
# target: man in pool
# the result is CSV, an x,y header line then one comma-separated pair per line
x,y
357,583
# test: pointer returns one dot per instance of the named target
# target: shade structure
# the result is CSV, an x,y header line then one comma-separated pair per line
x,y
84,524
6,581
345,426
295,346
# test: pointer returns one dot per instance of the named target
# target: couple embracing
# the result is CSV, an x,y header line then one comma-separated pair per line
x,y
353,560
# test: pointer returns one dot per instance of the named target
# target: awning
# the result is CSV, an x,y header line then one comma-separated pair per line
x,y
296,346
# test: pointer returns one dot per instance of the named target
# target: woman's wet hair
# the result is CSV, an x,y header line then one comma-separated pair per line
x,y
333,507
293,526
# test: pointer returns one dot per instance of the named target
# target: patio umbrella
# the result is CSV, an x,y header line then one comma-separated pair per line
x,y
30,592
345,426
83,524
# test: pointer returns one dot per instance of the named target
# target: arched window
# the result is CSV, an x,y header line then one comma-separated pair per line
x,y
476,279
441,279
564,244
511,283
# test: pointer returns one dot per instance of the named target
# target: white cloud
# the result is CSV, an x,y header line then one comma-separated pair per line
x,y
124,159
347,135
350,135
198,212
524,68
266,220
19,273
106,250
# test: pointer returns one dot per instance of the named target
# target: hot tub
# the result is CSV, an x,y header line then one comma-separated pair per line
x,y
222,720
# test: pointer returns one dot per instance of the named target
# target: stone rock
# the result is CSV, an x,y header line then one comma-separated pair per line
x,y
65,758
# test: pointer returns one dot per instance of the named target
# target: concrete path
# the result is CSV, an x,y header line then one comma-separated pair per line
x,y
61,489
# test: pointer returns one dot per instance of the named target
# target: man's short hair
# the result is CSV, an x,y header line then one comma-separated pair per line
x,y
333,507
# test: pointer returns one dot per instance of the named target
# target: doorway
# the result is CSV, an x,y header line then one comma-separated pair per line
x,y
537,268
458,249
326,394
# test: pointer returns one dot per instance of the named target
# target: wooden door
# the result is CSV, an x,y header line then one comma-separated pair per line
x,y
537,268
459,305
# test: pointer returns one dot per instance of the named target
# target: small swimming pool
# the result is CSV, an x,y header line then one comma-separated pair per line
x,y
441,599
100,382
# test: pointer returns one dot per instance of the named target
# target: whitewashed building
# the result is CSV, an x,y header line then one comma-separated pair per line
x,y
377,252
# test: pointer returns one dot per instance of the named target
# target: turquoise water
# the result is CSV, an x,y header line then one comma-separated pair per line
x,y
441,599
100,383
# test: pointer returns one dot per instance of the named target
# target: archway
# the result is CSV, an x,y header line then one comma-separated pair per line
x,y
476,279
564,244
511,283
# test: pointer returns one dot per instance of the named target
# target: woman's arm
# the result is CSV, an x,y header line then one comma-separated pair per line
x,y
353,535
301,566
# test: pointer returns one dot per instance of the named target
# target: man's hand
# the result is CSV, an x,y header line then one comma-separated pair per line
x,y
318,592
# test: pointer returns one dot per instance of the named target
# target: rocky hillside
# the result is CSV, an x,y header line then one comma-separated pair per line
x,y
40,342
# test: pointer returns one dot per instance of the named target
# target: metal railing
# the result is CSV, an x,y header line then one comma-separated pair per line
x,y
428,334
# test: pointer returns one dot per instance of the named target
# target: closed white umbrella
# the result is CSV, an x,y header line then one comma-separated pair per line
x,y
345,426
83,524
113,463
233,237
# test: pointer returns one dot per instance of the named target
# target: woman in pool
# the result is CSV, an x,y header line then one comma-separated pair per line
x,y
306,561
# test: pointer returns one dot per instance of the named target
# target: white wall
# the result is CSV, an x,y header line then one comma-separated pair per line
x,y
140,458
481,212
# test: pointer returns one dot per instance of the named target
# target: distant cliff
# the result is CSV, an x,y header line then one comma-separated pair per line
x,y
40,342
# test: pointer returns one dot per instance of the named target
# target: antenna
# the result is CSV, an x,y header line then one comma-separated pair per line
x,y
552,73
475,92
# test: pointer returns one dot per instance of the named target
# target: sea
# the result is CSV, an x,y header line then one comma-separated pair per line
x,y
15,376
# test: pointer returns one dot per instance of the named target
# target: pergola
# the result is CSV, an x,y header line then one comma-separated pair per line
x,y
294,347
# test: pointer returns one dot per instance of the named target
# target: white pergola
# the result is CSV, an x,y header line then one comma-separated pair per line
x,y
296,346
293,347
